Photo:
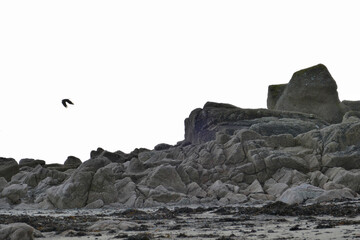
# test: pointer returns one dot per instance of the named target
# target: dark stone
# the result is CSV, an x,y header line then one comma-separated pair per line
x,y
162,146
296,228
96,153
8,168
313,90
118,156
202,124
58,167
350,114
274,93
353,105
218,105
72,161
30,162
113,157
135,153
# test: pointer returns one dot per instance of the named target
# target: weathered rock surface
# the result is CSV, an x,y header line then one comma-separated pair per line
x,y
312,90
274,93
74,192
15,192
8,168
300,194
353,105
16,231
72,161
28,162
3,183
308,152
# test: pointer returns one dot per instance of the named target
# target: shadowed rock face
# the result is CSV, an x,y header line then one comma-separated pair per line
x,y
274,93
203,124
353,105
8,168
311,90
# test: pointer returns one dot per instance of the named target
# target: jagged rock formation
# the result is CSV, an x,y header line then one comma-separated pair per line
x,y
229,155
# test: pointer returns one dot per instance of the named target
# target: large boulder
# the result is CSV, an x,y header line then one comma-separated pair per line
x,y
8,168
72,161
300,194
126,191
74,192
167,176
335,194
103,185
17,231
218,189
15,192
312,90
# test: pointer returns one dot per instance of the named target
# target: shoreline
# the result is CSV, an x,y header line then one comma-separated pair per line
x,y
272,221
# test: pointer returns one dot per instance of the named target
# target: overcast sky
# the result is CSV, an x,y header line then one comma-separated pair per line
x,y
136,69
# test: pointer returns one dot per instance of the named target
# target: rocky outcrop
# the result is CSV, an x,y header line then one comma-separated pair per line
x,y
311,90
229,155
203,124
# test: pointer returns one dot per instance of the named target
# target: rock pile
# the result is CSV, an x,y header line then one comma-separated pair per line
x,y
304,148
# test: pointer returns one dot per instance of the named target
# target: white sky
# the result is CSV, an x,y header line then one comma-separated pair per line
x,y
136,69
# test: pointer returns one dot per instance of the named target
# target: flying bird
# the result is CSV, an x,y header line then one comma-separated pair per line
x,y
66,101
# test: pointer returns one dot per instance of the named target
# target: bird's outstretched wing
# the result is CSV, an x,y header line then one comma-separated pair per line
x,y
66,101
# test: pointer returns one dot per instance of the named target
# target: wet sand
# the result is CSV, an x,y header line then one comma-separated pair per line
x,y
272,221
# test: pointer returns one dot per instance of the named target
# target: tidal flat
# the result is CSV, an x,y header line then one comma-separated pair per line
x,y
336,220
